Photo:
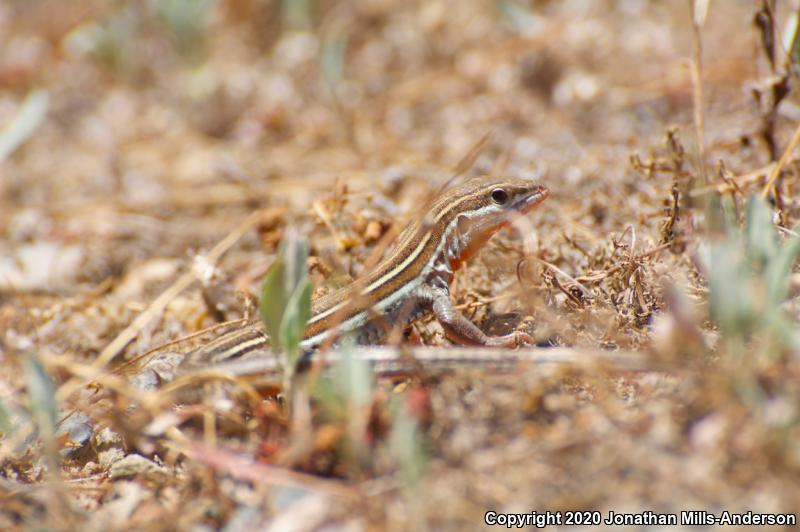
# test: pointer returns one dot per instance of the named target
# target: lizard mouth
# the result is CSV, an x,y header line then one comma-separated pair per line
x,y
534,199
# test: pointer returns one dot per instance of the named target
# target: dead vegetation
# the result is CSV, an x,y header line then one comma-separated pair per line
x,y
154,154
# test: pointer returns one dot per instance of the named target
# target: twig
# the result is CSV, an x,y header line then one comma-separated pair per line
x,y
700,10
599,276
244,468
389,361
558,270
482,302
783,161
180,340
771,91
87,373
749,177
468,160
27,119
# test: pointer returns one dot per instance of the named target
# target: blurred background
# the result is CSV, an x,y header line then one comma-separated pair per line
x,y
181,110
134,135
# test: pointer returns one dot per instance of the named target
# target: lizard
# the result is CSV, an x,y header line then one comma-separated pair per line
x,y
411,281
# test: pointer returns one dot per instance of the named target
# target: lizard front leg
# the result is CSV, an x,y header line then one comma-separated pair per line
x,y
462,331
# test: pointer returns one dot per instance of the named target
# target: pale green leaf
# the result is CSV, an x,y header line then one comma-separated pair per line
x,y
30,116
295,318
760,238
405,445
354,377
286,295
294,253
273,300
298,14
778,269
41,395
332,61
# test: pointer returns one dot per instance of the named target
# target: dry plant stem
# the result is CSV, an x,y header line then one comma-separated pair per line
x,y
161,302
502,161
209,428
326,220
468,160
561,272
699,10
194,380
243,468
789,232
782,162
667,230
87,373
599,276
391,361
770,95
733,186
483,302
740,180
197,378
135,360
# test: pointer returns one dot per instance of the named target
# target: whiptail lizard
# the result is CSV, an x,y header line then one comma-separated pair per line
x,y
413,280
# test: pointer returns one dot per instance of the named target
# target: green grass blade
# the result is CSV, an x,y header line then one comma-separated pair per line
x,y
295,318
272,300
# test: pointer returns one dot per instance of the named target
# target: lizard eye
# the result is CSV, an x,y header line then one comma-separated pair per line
x,y
499,196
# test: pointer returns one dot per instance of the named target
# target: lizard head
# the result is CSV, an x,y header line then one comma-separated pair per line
x,y
479,208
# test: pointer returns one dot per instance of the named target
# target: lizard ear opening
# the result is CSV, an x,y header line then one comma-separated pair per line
x,y
499,196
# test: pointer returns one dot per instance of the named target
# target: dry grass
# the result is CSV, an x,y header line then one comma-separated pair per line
x,y
153,154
